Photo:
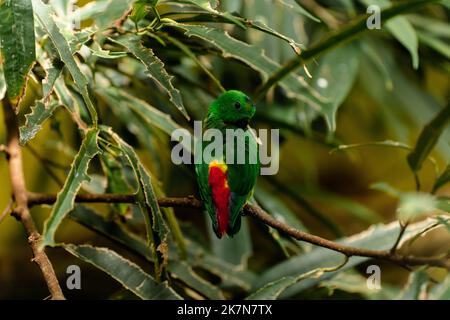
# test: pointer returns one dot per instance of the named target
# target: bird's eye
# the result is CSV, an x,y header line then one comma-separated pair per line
x,y
237,105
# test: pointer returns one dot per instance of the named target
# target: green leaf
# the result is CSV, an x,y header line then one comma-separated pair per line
x,y
155,68
401,29
380,237
66,197
334,78
44,13
34,120
435,44
404,32
140,10
106,54
428,138
255,58
178,269
128,274
415,288
17,45
273,290
299,9
156,227
433,26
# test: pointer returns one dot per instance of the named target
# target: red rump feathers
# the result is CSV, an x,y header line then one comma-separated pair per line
x,y
221,195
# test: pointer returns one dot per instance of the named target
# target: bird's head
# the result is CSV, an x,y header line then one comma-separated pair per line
x,y
234,108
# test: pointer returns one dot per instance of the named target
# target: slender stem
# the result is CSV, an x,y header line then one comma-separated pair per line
x,y
262,216
21,212
7,210
403,227
348,32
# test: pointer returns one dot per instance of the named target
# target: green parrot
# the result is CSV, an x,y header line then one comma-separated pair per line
x,y
227,184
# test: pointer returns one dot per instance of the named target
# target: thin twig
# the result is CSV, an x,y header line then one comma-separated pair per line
x,y
21,212
262,216
403,227
7,210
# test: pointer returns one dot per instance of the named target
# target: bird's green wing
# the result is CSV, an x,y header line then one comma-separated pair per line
x,y
242,180
202,171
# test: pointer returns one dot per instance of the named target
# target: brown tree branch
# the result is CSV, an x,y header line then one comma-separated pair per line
x,y
21,211
262,216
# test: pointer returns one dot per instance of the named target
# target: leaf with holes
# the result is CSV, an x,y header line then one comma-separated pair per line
x,y
34,120
44,14
65,200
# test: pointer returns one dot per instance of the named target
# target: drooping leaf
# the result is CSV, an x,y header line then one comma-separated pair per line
x,y
380,237
43,13
428,138
255,58
157,231
66,197
17,45
334,78
404,32
130,275
435,43
297,7
34,120
273,290
155,69
401,29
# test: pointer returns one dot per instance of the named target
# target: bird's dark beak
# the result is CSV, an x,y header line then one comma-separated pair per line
x,y
243,123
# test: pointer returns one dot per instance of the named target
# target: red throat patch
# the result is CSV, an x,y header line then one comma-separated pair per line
x,y
221,194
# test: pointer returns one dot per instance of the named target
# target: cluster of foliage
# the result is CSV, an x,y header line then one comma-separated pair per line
x,y
129,72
